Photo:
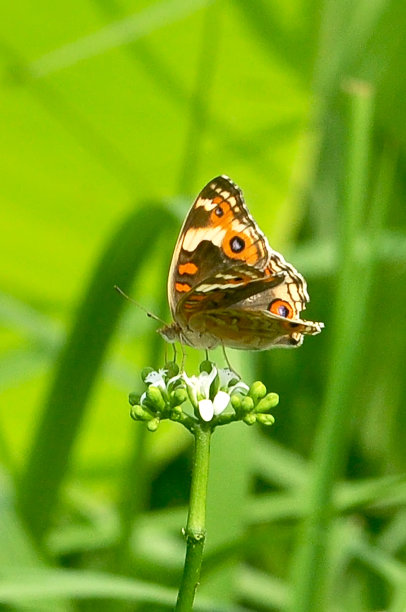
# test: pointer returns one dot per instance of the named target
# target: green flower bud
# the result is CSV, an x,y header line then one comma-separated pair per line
x,y
154,396
265,419
134,398
173,369
257,390
145,373
250,418
178,396
247,404
267,403
236,401
153,424
176,413
138,413
214,387
206,366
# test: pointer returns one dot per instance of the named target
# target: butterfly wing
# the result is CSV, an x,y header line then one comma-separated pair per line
x,y
219,248
252,329
226,285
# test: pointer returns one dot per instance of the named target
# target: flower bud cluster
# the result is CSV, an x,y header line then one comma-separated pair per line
x,y
217,397
162,399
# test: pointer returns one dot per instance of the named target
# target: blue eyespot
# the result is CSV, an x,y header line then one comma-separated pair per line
x,y
237,244
283,311
282,308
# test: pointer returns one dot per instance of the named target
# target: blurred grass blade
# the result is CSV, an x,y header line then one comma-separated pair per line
x,y
129,29
276,464
80,361
310,563
17,551
26,585
75,123
31,585
200,102
381,562
261,590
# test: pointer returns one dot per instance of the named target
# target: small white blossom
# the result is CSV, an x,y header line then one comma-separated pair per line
x,y
226,376
199,386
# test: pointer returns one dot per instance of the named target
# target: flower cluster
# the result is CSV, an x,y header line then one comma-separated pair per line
x,y
216,395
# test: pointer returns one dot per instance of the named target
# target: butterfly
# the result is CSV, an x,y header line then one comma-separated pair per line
x,y
226,285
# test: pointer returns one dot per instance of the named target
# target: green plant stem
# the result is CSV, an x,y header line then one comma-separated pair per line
x,y
196,522
311,567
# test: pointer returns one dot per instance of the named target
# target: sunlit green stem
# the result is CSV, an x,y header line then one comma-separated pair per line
x,y
196,522
310,572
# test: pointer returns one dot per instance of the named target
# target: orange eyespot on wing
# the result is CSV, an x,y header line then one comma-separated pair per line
x,y
222,214
187,268
281,308
239,245
182,287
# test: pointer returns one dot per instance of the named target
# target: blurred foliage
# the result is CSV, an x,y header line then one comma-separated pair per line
x,y
113,115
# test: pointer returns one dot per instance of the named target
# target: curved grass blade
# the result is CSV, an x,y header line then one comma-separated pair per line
x,y
28,586
80,362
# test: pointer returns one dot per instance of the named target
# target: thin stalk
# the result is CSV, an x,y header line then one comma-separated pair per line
x,y
196,522
312,557
199,104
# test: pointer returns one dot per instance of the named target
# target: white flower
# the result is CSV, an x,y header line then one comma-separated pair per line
x,y
226,376
199,386
208,409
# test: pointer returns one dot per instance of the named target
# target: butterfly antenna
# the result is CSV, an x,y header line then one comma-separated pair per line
x,y
149,314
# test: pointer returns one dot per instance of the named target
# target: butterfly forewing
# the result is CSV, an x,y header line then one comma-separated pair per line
x,y
219,243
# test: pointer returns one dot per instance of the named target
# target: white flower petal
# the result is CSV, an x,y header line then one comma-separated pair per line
x,y
206,409
143,396
172,380
240,387
157,378
205,380
192,385
220,402
191,381
226,376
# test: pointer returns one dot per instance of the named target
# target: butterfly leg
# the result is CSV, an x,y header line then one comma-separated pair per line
x,y
228,361
182,364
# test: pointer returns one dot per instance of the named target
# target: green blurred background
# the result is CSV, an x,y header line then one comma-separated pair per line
x,y
114,114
